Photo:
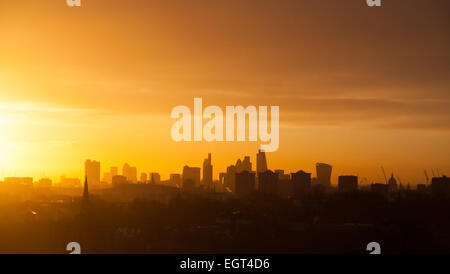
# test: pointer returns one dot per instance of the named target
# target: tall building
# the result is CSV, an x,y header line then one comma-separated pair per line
x,y
284,186
143,178
268,182
175,180
114,171
92,172
208,173
230,179
155,178
440,186
107,177
245,183
261,162
130,173
301,182
348,183
191,175
323,174
244,165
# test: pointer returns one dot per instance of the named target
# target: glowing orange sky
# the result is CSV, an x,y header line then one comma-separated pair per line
x,y
357,87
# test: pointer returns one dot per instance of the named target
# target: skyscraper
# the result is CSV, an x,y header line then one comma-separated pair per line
x,y
323,174
208,173
92,172
175,180
114,171
268,182
155,178
230,178
143,178
245,183
130,173
244,165
191,175
261,162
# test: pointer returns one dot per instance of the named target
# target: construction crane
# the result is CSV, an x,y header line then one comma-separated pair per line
x,y
426,177
384,173
432,172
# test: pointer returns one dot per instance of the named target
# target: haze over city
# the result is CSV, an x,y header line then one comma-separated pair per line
x,y
99,82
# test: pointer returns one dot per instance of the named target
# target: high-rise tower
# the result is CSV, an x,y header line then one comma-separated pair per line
x,y
208,173
323,174
261,162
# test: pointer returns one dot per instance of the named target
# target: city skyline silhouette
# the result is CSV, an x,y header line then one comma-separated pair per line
x,y
228,127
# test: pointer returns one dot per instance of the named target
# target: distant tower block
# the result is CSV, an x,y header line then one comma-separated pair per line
x,y
323,174
208,173
92,172
261,162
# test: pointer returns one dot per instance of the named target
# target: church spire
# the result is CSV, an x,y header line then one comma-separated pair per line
x,y
85,191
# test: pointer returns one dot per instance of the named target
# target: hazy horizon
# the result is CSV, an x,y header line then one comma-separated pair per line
x,y
99,82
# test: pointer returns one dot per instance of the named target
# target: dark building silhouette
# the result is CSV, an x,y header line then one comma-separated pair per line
x,y
268,182
119,180
155,178
281,175
261,162
175,180
422,188
130,173
301,182
85,191
244,165
230,179
381,189
191,174
323,174
189,185
392,184
347,183
440,186
143,178
245,183
208,173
